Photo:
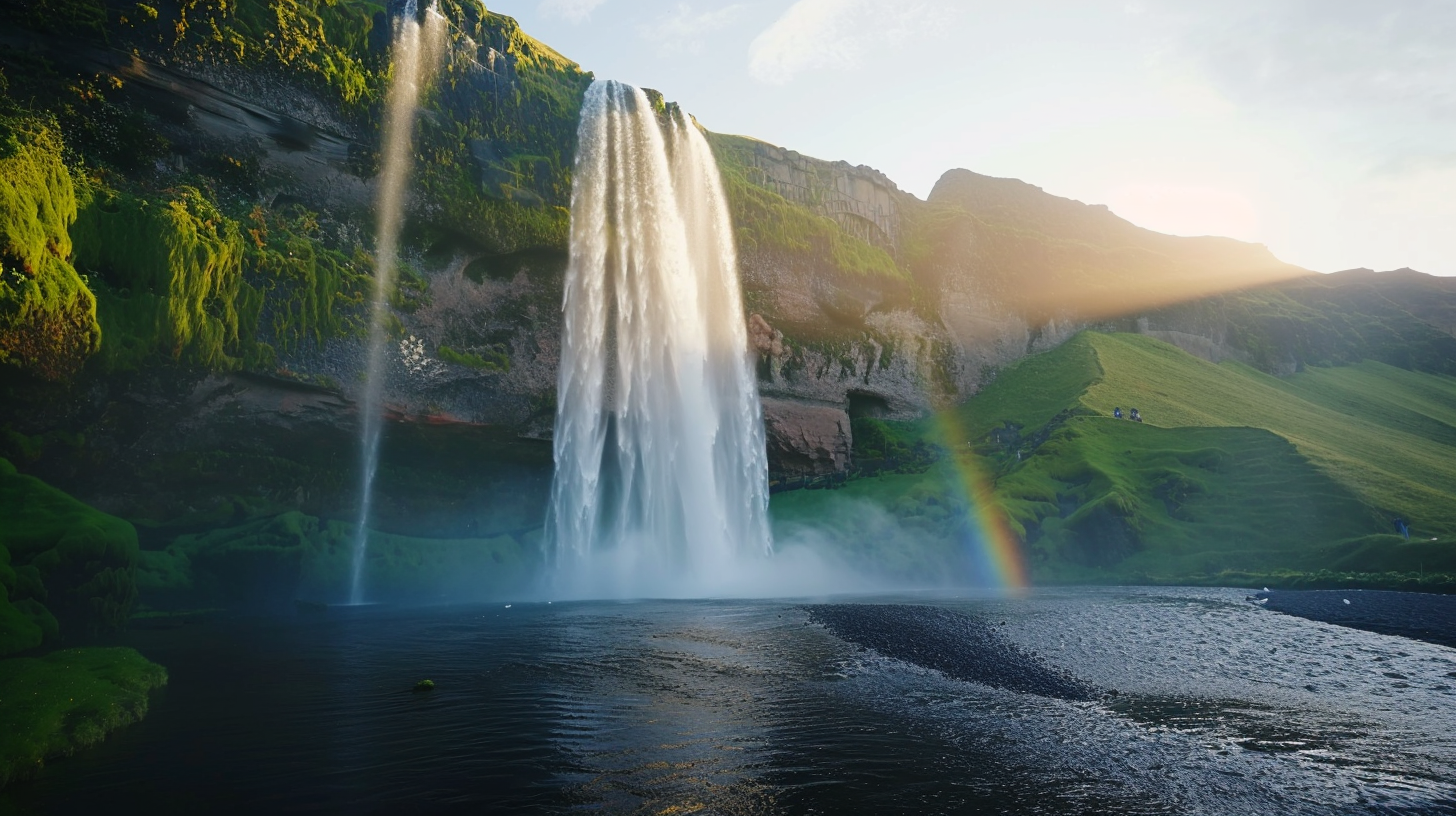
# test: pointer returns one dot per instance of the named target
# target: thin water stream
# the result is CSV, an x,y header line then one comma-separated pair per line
x,y
417,46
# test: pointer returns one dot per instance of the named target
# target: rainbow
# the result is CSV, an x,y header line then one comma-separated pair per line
x,y
993,548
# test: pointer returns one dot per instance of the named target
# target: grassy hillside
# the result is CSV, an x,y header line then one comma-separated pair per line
x,y
1349,421
1234,477
1403,318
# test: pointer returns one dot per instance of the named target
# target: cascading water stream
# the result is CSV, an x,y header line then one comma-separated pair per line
x,y
416,46
661,481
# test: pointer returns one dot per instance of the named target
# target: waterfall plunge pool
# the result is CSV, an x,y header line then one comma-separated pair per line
x,y
750,707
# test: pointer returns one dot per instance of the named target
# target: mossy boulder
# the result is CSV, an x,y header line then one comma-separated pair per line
x,y
53,706
65,568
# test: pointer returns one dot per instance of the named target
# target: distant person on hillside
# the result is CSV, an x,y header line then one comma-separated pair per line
x,y
1402,528
1135,416
1117,413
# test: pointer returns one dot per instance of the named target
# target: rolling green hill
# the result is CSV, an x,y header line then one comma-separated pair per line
x,y
1234,477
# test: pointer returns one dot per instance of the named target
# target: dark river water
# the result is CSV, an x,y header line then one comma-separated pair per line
x,y
746,707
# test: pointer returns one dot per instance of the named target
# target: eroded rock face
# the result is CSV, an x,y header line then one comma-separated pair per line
x,y
806,438
863,201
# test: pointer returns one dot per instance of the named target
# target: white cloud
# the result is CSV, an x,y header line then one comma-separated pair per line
x,y
1323,53
1379,77
681,30
816,34
575,11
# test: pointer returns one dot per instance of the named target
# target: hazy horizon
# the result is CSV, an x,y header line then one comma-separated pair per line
x,y
1322,130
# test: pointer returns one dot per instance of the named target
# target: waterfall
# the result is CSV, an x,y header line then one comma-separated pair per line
x,y
661,481
414,52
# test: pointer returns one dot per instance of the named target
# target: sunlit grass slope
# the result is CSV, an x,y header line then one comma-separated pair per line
x,y
1384,433
1234,476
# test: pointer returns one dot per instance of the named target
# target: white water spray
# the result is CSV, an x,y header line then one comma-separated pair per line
x,y
661,481
415,49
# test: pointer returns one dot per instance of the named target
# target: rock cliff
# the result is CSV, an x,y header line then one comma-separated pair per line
x,y
242,165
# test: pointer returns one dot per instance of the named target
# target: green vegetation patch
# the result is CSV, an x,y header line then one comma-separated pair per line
x,y
766,220
1232,473
60,558
179,279
48,323
277,560
172,274
328,42
55,705
307,290
1377,430
493,359
499,160
1108,496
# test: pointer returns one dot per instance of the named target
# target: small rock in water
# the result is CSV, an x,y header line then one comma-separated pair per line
x,y
425,685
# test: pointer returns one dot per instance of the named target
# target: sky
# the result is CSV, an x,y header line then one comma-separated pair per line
x,y
1325,129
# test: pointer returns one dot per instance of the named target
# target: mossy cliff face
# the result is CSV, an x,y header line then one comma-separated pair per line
x,y
186,348
203,174
48,323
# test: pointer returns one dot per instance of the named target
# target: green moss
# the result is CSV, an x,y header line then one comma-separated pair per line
x,y
499,157
305,289
172,278
495,358
48,323
324,41
411,290
75,562
55,705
